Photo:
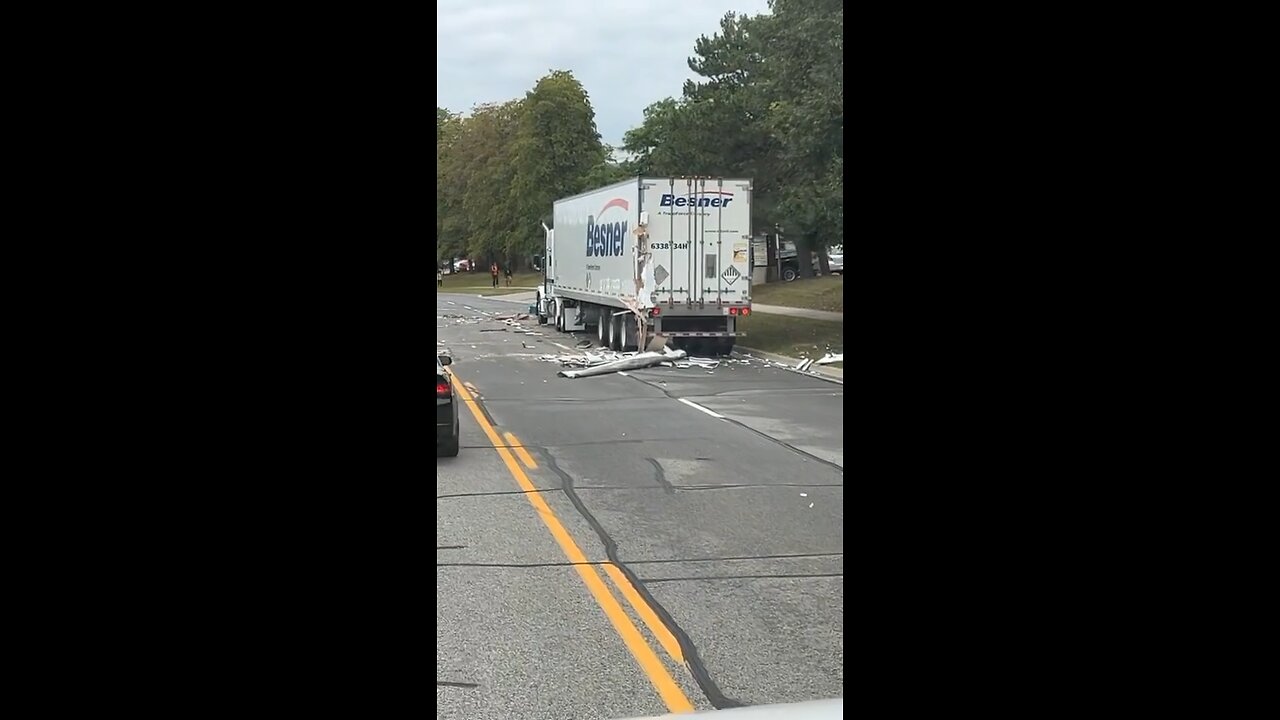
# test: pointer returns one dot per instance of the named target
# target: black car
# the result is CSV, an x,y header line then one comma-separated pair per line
x,y
446,410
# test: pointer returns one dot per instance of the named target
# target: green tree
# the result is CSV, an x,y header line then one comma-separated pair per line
x,y
804,79
474,177
768,104
557,151
717,127
448,128
608,171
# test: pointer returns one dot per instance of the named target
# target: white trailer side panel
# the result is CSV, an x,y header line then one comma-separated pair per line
x,y
594,244
700,239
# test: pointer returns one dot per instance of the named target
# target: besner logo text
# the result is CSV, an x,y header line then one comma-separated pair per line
x,y
604,239
718,200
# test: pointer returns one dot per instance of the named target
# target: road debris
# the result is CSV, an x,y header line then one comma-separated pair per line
x,y
632,361
591,357
803,367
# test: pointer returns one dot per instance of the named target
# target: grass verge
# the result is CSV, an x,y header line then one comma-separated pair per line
x,y
824,293
478,283
791,336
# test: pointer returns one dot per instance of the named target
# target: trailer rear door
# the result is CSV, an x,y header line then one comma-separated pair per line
x,y
700,239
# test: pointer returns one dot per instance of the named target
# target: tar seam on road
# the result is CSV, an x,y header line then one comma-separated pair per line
x,y
662,476
650,664
740,486
500,492
462,685
692,659
742,577
668,561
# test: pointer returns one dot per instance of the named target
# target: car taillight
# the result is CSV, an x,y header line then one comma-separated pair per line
x,y
442,388
655,311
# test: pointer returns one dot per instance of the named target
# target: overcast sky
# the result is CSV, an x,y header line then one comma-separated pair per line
x,y
626,54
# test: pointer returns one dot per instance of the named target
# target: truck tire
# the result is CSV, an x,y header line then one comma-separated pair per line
x,y
724,345
789,274
630,333
542,307
602,328
615,332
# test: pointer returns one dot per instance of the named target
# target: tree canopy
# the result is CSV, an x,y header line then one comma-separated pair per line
x,y
768,104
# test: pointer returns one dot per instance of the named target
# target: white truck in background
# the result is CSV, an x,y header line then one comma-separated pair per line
x,y
647,258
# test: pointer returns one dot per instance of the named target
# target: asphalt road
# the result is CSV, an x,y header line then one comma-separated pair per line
x,y
624,551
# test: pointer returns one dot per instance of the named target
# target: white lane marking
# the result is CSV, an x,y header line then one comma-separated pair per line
x,y
451,302
696,406
623,373
468,307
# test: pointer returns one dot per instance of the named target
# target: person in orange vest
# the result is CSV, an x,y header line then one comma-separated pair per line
x,y
493,273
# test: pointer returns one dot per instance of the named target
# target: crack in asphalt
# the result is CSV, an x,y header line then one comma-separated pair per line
x,y
461,685
667,561
692,659
739,486
662,476
499,492
743,577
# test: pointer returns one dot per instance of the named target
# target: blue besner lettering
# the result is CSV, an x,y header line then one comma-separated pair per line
x,y
606,238
704,201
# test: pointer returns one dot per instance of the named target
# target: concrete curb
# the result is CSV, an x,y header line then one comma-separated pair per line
x,y
835,375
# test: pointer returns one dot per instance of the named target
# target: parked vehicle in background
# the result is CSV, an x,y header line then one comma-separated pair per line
x,y
462,266
446,410
687,275
790,263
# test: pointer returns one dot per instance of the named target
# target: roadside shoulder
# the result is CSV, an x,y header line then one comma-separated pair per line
x,y
835,375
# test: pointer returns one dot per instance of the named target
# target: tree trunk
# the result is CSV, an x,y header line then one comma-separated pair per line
x,y
804,257
824,263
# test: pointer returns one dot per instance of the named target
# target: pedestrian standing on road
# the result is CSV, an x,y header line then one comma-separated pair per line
x,y
439,277
493,273
508,273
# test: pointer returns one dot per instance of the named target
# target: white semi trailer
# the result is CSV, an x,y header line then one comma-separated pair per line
x,y
651,257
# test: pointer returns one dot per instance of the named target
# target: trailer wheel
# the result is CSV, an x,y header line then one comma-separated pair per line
x,y
630,333
615,332
790,273
724,345
602,328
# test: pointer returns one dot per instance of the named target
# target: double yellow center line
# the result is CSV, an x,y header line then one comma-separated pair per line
x,y
653,667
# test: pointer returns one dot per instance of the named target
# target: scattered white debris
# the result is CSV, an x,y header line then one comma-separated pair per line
x,y
592,357
804,494
631,361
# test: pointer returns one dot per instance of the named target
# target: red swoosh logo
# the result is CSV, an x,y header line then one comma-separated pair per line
x,y
616,202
